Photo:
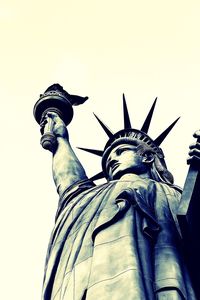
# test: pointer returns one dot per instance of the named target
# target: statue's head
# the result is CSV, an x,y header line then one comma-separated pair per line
x,y
133,151
136,153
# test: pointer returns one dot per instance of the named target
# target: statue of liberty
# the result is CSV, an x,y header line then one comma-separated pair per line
x,y
121,239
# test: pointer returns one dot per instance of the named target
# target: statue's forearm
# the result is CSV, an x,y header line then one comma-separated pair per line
x,y
67,169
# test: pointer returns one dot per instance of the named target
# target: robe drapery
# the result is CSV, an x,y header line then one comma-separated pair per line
x,y
119,240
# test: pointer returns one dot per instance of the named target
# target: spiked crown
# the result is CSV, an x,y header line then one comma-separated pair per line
x,y
127,136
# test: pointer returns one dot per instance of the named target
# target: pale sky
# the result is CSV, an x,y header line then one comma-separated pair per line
x,y
101,49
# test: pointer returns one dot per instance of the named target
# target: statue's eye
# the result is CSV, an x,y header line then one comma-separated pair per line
x,y
120,151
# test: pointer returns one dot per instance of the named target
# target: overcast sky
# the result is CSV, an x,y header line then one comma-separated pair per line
x,y
101,49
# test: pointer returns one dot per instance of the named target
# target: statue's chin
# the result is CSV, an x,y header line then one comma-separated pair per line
x,y
118,174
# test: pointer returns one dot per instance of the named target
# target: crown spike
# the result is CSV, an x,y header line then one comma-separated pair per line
x,y
145,126
163,135
105,128
99,175
93,151
127,123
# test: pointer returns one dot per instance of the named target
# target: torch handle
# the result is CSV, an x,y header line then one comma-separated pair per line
x,y
48,139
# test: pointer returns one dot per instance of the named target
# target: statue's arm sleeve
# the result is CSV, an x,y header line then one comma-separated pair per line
x,y
71,193
67,168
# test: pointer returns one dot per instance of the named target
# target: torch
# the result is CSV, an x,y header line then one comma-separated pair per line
x,y
55,99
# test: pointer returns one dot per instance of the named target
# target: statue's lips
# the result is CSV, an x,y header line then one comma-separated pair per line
x,y
115,166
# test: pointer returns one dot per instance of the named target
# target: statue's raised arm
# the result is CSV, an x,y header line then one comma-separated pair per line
x,y
54,112
67,169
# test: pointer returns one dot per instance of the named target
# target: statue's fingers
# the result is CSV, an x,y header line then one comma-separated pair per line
x,y
44,117
52,115
194,152
195,145
43,121
42,125
57,119
193,159
197,134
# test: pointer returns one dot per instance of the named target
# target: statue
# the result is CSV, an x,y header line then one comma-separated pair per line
x,y
121,239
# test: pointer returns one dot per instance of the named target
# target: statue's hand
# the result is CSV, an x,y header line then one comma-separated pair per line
x,y
58,129
194,153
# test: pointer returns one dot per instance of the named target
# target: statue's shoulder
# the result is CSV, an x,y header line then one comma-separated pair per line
x,y
168,188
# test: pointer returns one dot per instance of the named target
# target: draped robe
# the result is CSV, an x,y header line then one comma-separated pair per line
x,y
118,240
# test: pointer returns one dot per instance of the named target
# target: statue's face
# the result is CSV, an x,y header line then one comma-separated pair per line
x,y
125,159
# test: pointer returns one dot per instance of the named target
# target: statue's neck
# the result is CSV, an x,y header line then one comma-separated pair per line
x,y
133,177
